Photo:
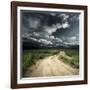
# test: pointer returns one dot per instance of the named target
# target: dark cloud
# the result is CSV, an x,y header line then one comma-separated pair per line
x,y
50,28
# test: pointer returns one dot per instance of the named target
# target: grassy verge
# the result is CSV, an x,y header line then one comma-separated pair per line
x,y
31,56
71,57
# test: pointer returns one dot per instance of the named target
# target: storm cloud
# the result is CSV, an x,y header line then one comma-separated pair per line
x,y
50,28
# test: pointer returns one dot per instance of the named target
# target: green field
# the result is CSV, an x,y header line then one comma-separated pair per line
x,y
71,56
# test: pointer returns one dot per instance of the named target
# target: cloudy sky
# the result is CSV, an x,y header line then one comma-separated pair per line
x,y
50,28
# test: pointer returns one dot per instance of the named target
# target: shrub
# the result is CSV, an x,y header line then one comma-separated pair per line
x,y
71,57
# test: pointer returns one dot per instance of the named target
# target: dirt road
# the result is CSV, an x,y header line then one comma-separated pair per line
x,y
50,66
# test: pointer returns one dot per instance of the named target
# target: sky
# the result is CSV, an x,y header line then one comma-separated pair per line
x,y
50,28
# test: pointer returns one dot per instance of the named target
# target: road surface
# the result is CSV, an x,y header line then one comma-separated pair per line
x,y
50,66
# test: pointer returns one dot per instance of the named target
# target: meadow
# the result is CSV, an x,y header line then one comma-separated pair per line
x,y
30,57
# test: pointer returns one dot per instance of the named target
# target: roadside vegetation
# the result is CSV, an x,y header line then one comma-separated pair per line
x,y
68,56
31,56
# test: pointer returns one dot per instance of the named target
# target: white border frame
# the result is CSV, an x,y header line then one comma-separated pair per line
x,y
55,78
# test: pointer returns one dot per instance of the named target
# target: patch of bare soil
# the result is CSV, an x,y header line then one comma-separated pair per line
x,y
51,66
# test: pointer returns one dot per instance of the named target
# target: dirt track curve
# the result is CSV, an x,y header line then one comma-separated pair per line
x,y
50,66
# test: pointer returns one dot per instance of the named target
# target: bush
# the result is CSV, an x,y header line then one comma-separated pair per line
x,y
71,57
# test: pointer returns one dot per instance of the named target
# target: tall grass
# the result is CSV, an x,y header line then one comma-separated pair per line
x,y
71,57
31,56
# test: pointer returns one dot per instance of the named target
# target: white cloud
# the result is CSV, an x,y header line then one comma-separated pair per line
x,y
36,34
50,30
51,37
64,16
66,43
58,39
46,36
71,41
44,41
53,14
26,35
57,44
33,39
34,23
65,25
58,26
72,38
